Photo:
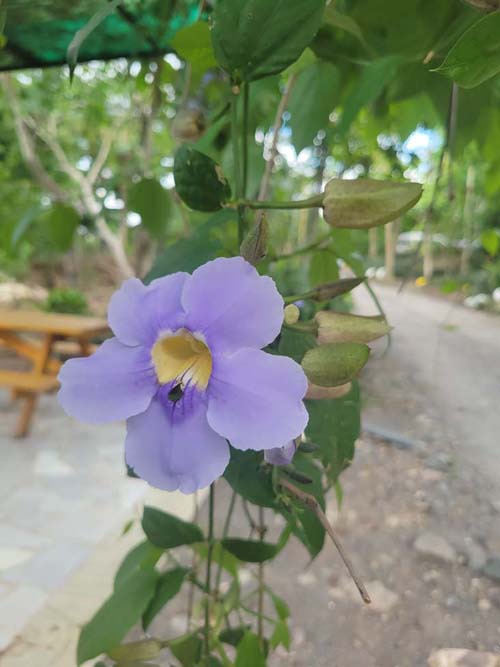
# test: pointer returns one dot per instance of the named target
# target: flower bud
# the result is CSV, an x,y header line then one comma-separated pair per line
x,y
331,290
336,327
365,203
292,314
254,245
141,650
188,125
334,364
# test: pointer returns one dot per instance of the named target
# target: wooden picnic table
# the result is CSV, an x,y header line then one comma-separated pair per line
x,y
35,335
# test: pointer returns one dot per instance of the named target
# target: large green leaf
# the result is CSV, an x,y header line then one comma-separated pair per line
x,y
250,652
60,224
117,616
151,201
247,477
167,531
295,344
476,55
169,584
199,180
334,425
188,254
367,88
143,556
193,43
323,268
187,649
250,551
312,100
256,38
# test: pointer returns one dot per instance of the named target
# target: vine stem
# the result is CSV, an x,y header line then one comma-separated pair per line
x,y
246,105
225,532
208,580
310,501
260,607
236,165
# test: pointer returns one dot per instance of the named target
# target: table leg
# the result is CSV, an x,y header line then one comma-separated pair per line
x,y
24,421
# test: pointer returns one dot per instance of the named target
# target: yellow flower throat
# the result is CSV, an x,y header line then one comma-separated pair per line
x,y
184,358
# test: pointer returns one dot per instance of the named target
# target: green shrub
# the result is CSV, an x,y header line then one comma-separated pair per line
x,y
66,300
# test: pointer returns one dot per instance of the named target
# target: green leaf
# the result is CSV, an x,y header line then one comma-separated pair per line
x,y
220,556
249,652
295,344
188,254
233,636
475,57
82,34
365,203
312,100
490,240
334,364
281,635
121,611
199,180
187,649
256,38
151,201
247,477
250,551
166,531
169,584
344,22
24,223
60,224
193,43
370,84
142,556
335,425
282,608
323,268
309,529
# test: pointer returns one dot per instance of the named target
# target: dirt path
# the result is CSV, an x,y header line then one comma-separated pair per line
x,y
441,377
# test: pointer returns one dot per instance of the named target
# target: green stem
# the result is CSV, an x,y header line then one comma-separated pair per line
x,y
312,202
208,580
236,166
302,251
225,532
260,607
246,104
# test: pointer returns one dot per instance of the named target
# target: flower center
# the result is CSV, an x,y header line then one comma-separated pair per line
x,y
182,357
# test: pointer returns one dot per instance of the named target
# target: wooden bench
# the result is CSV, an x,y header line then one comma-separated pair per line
x,y
27,386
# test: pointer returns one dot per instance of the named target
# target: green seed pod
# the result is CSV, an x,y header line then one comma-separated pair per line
x,y
346,328
133,651
365,203
331,290
199,180
334,364
254,245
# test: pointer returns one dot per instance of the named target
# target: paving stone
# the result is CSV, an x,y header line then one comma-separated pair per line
x,y
15,610
452,657
434,546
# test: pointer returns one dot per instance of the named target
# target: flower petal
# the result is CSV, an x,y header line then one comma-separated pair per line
x,y
232,305
172,454
137,313
114,383
281,456
255,399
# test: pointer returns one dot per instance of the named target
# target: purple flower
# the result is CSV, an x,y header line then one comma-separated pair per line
x,y
187,372
281,456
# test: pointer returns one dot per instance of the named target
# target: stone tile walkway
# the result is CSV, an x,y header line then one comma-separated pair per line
x,y
64,499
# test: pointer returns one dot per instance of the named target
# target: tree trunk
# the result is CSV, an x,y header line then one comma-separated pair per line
x,y
373,243
428,257
468,221
391,234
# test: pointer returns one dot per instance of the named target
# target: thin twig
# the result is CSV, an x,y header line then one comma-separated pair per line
x,y
310,501
194,565
260,604
208,580
225,531
253,526
278,122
